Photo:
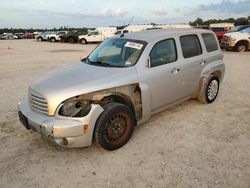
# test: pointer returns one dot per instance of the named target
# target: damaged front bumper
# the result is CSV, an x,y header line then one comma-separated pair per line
x,y
64,131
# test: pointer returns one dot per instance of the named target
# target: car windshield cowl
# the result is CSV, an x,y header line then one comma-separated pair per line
x,y
116,52
97,63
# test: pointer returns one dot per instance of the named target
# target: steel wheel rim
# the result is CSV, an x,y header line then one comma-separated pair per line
x,y
117,128
212,89
241,48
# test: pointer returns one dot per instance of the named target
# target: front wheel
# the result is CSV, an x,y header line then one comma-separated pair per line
x,y
53,40
240,47
114,126
83,41
211,90
40,39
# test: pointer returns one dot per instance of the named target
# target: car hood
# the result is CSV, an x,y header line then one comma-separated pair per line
x,y
237,34
81,78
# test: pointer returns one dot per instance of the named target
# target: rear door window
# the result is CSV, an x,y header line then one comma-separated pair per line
x,y
210,42
190,45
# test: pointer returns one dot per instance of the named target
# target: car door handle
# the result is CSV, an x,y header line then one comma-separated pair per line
x,y
175,70
203,62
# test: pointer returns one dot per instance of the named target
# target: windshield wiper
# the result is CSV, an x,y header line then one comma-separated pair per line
x,y
98,63
101,63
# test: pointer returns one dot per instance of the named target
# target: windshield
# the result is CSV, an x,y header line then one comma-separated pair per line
x,y
239,28
247,30
117,52
218,29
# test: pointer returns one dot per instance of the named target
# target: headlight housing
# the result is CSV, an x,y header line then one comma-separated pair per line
x,y
232,39
74,108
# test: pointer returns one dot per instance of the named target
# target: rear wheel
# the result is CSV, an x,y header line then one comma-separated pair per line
x,y
114,126
240,47
211,90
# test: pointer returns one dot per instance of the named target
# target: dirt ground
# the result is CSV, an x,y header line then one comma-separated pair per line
x,y
189,145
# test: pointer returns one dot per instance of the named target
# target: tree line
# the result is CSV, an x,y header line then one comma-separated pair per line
x,y
237,21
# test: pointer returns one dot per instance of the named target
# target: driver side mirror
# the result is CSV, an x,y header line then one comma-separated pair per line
x,y
148,62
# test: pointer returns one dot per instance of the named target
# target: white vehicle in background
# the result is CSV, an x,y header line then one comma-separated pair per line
x,y
107,31
37,34
98,35
137,28
238,41
6,36
93,36
133,28
44,36
56,36
173,26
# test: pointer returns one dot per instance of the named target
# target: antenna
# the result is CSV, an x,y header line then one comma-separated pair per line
x,y
131,20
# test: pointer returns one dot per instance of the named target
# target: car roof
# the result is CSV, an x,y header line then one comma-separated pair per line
x,y
151,35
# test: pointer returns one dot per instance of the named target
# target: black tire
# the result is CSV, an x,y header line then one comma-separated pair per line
x,y
40,39
83,41
114,127
53,39
71,40
240,47
208,95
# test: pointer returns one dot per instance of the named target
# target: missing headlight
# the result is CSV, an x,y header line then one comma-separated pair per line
x,y
76,108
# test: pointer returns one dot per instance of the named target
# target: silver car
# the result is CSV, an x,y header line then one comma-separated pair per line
x,y
121,84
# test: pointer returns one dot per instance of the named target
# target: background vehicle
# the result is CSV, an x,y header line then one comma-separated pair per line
x,y
207,27
56,36
7,36
173,26
37,34
72,36
238,41
239,28
221,28
27,36
106,31
136,28
93,36
18,35
44,36
98,35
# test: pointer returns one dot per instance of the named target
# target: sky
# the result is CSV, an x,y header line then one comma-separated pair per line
x,y
94,13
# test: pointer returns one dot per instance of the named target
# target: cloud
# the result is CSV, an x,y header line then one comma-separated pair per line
x,y
224,9
159,11
107,12
118,12
228,6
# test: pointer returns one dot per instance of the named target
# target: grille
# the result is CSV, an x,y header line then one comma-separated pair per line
x,y
38,102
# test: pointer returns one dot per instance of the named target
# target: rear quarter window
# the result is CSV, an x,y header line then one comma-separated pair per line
x,y
210,42
190,45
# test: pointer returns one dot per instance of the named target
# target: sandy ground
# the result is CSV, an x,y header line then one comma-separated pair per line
x,y
190,145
